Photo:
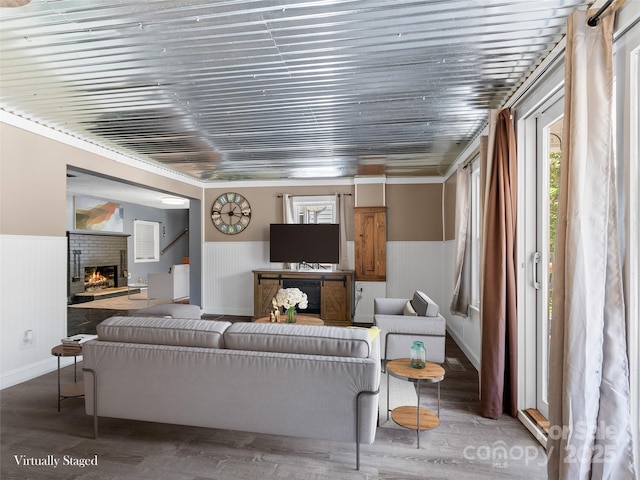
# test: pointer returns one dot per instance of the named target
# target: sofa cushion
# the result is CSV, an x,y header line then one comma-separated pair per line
x,y
424,306
171,310
408,309
163,331
300,339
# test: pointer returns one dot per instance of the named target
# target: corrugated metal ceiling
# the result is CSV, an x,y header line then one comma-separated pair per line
x,y
275,89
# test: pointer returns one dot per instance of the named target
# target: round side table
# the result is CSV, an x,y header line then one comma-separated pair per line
x,y
415,418
75,389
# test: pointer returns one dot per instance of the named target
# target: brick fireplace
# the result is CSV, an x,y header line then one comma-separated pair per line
x,y
96,261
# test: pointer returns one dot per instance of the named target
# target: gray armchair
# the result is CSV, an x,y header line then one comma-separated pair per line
x,y
403,320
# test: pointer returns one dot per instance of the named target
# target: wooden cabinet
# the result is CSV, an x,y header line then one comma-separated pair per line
x,y
335,297
370,243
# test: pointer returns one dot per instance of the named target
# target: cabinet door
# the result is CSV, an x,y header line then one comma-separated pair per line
x,y
336,303
265,289
370,243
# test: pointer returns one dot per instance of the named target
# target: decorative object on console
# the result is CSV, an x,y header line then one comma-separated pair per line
x,y
231,213
289,298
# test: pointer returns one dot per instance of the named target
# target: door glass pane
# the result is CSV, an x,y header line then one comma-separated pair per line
x,y
554,160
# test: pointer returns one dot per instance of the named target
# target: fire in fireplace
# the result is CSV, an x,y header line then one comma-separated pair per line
x,y
99,278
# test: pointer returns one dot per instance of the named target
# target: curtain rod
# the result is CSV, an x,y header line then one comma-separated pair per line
x,y
593,21
315,195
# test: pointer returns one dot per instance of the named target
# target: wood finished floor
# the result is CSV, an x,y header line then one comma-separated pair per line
x,y
463,446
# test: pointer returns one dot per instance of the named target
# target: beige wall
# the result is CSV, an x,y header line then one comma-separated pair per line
x,y
414,212
33,181
33,197
33,194
370,195
450,208
266,208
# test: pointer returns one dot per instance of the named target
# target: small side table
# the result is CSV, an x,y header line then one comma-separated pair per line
x,y
75,389
415,418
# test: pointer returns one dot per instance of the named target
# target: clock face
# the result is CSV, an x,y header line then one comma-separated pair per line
x,y
231,213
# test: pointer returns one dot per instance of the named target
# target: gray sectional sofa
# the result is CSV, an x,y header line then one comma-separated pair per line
x,y
298,380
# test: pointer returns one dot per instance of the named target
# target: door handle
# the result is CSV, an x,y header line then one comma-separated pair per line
x,y
535,260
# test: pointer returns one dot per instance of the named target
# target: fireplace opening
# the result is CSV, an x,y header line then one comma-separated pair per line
x,y
100,277
311,288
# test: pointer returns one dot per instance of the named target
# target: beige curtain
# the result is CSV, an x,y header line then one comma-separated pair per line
x,y
498,309
342,220
589,409
462,273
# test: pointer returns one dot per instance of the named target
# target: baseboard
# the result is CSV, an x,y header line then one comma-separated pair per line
x,y
475,361
29,372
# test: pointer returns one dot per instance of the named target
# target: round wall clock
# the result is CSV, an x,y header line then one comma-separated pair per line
x,y
231,213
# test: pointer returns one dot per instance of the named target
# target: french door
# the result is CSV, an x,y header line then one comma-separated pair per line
x,y
548,162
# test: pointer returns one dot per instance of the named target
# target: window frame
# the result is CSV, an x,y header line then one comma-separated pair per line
x,y
146,238
305,202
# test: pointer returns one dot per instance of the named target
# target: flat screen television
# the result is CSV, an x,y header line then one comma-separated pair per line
x,y
310,243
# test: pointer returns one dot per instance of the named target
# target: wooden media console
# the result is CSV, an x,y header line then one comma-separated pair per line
x,y
335,292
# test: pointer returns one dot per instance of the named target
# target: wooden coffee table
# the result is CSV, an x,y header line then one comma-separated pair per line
x,y
415,418
300,320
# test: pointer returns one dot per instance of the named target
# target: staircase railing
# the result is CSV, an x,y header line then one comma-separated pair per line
x,y
182,234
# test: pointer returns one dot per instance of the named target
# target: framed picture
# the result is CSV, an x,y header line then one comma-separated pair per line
x,y
98,214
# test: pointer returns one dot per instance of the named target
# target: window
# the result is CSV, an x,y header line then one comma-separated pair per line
x,y
315,209
146,237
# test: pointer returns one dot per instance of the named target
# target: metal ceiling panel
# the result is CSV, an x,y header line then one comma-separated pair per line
x,y
273,89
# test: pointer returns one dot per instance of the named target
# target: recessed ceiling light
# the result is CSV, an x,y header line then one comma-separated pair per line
x,y
173,201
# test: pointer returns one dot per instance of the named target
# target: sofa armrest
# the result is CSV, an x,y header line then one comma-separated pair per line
x,y
406,324
397,333
389,306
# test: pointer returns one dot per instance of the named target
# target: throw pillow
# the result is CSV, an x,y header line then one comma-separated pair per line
x,y
408,309
423,305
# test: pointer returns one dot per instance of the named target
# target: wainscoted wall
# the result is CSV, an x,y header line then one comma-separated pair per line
x,y
33,284
465,331
427,266
227,275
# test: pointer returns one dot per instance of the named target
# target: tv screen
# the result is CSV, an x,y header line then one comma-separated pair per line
x,y
311,243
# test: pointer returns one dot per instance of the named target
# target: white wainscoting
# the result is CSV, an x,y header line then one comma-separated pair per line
x,y
365,293
33,296
227,282
416,266
227,275
465,331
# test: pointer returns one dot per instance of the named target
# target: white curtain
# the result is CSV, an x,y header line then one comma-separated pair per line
x,y
342,220
287,208
287,216
462,273
589,408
